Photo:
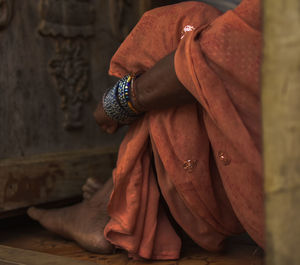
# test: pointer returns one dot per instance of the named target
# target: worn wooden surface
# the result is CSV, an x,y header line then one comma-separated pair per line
x,y
239,251
45,178
10,256
54,58
32,107
54,63
281,126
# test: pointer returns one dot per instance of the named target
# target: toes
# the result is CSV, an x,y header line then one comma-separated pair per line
x,y
81,223
47,218
91,186
86,196
86,188
60,221
94,183
88,192
35,214
44,217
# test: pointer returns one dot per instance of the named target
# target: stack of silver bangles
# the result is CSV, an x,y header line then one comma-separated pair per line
x,y
117,102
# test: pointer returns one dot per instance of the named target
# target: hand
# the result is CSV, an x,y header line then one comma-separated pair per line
x,y
106,124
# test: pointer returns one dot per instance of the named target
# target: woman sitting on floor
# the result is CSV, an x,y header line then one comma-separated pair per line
x,y
190,90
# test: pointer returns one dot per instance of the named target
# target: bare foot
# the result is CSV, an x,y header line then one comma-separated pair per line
x,y
90,187
83,222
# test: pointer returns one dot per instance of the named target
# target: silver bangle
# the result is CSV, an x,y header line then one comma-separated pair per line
x,y
113,107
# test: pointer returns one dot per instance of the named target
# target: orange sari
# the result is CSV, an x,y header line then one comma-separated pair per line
x,y
207,155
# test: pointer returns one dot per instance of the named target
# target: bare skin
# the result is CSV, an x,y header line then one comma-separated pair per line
x,y
90,187
158,88
85,222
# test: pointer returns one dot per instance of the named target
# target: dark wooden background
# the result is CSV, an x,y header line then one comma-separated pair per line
x,y
54,59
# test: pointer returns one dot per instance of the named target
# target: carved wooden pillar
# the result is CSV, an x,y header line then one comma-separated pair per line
x,y
281,127
54,61
69,23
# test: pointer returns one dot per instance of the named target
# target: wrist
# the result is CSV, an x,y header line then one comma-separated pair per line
x,y
136,98
117,102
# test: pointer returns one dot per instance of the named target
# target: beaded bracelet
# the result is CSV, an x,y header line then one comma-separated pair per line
x,y
133,98
124,96
117,104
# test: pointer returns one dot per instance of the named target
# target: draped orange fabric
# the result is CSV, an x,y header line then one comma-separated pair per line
x,y
207,155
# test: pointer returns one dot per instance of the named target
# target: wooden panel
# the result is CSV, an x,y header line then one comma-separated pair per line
x,y
52,76
51,177
54,61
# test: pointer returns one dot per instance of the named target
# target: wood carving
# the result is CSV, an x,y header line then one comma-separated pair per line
x,y
70,23
6,12
71,71
67,18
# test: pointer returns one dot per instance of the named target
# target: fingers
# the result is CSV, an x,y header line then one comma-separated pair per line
x,y
105,123
100,115
109,129
113,128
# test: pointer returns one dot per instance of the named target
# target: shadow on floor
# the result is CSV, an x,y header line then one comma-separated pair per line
x,y
21,232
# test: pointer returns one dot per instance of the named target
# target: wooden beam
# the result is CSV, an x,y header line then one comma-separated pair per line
x,y
52,177
281,129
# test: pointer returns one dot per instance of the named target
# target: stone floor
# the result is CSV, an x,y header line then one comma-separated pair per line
x,y
29,235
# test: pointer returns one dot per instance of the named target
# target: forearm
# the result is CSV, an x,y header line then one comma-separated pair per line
x,y
160,88
157,88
